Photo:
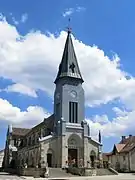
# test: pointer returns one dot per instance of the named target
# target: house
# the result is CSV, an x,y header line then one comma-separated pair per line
x,y
65,135
122,156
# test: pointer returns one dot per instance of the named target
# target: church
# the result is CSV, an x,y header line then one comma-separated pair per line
x,y
63,137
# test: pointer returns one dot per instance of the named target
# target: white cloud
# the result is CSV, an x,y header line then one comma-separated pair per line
x,y
35,114
15,21
2,18
79,9
22,89
36,66
24,18
70,11
29,60
14,115
118,126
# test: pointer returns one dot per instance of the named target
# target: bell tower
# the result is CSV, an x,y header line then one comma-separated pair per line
x,y
69,93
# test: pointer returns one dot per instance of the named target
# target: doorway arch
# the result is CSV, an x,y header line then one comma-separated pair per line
x,y
50,156
74,146
92,158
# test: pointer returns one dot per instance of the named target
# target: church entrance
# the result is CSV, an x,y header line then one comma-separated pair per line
x,y
72,156
74,149
49,159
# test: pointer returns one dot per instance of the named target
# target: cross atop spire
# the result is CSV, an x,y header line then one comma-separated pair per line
x,y
69,65
69,29
72,66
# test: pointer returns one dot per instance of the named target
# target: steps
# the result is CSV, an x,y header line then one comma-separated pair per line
x,y
103,172
58,172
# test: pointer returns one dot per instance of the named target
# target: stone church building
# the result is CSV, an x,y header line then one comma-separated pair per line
x,y
65,135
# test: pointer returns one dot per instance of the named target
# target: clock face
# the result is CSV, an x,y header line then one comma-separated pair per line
x,y
58,95
73,94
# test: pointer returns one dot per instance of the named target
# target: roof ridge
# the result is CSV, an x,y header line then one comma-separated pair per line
x,y
20,127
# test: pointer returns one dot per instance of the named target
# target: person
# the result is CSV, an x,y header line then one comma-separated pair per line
x,y
46,171
66,166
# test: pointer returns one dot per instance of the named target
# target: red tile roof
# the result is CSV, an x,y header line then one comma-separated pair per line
x,y
129,144
125,145
105,156
119,147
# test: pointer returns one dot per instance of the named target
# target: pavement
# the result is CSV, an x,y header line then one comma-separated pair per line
x,y
6,176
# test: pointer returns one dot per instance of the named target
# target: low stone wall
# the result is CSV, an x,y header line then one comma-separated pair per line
x,y
11,171
35,172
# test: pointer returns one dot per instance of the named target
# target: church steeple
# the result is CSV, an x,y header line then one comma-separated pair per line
x,y
99,136
69,65
69,93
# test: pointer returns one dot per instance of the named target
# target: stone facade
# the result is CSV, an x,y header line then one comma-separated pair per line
x,y
62,138
122,157
1,157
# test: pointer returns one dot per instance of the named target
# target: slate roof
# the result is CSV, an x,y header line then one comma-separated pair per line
x,y
69,65
38,125
19,131
48,122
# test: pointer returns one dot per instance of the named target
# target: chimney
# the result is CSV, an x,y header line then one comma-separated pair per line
x,y
123,138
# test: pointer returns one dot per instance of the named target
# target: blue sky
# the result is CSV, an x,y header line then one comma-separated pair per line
x,y
103,33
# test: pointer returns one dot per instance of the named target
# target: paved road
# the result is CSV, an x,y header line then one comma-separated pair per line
x,y
117,177
5,176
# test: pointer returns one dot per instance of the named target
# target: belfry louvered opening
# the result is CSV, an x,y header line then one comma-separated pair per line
x,y
73,112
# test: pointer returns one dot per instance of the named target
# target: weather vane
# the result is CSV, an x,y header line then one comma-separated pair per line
x,y
69,23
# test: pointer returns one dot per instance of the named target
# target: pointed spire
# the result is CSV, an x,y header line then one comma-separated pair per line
x,y
88,130
9,131
69,65
99,136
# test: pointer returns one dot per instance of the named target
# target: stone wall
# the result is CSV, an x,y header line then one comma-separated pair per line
x,y
124,162
92,146
132,160
73,139
29,155
35,172
49,146
1,157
